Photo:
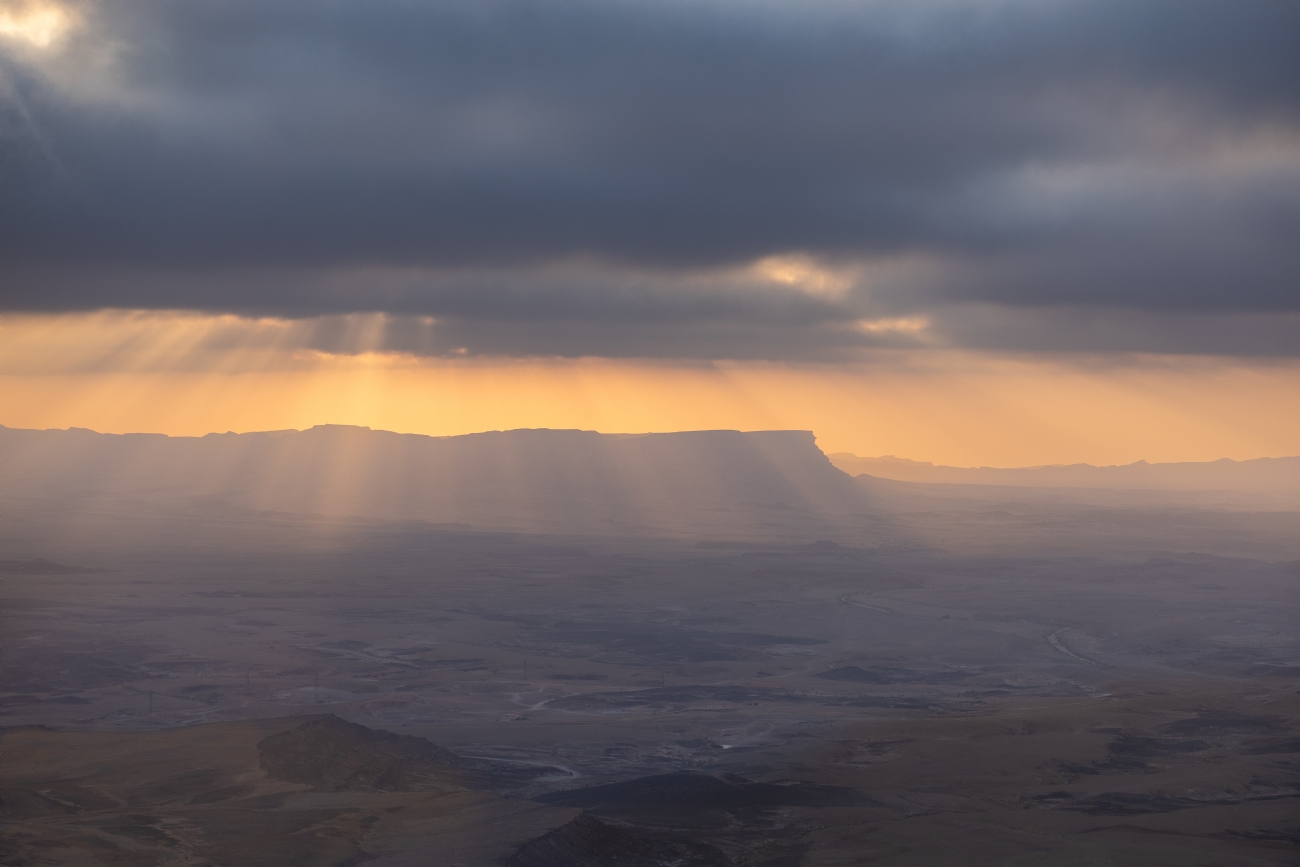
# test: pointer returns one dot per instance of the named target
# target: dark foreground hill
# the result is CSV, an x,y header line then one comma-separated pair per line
x,y
270,793
534,480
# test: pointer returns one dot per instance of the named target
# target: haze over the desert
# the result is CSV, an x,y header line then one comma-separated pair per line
x,y
649,433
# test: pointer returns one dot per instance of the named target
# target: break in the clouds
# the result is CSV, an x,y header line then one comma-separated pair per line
x,y
697,179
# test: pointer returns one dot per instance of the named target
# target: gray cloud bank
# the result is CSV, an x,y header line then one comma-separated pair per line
x,y
593,178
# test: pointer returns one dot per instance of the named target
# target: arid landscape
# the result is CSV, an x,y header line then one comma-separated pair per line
x,y
959,685
649,433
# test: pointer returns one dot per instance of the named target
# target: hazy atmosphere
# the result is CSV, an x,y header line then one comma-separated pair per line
x,y
631,434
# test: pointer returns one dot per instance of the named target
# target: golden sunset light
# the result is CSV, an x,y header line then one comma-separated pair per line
x,y
639,433
35,23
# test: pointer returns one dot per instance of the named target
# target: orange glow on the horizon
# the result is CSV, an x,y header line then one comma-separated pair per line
x,y
961,409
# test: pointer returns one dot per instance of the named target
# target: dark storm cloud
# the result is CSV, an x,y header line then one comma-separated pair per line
x,y
531,171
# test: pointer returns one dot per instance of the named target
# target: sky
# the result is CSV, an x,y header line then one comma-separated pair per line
x,y
967,231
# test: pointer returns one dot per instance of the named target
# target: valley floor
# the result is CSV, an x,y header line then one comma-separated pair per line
x,y
634,701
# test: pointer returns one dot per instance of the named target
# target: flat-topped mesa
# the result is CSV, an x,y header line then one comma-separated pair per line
x,y
560,479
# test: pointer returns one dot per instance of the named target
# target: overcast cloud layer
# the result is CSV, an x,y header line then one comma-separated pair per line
x,y
705,179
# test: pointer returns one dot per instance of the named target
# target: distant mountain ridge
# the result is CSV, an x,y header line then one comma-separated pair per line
x,y
1262,475
61,489
545,480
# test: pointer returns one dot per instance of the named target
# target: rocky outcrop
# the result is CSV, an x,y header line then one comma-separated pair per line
x,y
333,755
